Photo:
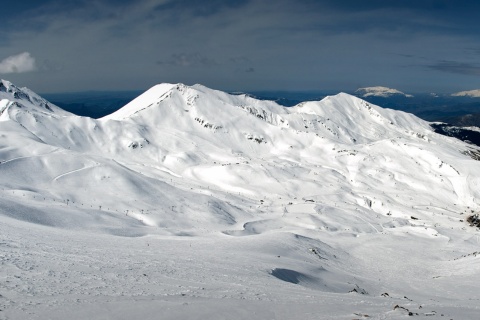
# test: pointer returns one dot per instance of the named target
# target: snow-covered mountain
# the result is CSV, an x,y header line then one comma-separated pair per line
x,y
190,202
470,93
380,91
13,99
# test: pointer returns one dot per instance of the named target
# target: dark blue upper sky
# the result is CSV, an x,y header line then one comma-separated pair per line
x,y
413,46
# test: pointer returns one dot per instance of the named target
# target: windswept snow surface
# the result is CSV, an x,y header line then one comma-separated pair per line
x,y
190,203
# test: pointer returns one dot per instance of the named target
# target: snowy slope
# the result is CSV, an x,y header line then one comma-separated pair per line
x,y
190,203
13,98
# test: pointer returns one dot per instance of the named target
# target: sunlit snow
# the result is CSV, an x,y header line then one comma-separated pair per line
x,y
190,203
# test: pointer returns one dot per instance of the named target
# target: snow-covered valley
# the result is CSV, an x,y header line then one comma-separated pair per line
x,y
190,203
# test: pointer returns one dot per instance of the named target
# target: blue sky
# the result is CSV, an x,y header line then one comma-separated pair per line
x,y
413,46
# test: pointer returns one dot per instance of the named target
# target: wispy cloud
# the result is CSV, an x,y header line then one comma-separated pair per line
x,y
239,59
189,60
19,63
456,67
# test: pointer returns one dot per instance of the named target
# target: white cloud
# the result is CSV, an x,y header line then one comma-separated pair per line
x,y
19,63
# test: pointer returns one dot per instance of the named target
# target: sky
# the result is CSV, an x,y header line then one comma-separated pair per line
x,y
241,45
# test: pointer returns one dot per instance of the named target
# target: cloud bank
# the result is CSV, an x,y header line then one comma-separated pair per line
x,y
19,63
242,45
457,67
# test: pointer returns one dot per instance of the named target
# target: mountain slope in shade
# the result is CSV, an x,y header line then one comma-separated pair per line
x,y
190,201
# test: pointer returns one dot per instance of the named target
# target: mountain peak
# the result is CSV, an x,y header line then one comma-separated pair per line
x,y
12,95
470,93
343,117
143,101
183,96
9,88
4,84
380,91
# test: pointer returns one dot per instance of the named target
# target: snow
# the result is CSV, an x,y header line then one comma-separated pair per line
x,y
477,129
144,100
470,93
380,91
190,203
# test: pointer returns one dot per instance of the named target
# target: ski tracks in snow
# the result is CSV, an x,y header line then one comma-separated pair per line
x,y
28,157
76,170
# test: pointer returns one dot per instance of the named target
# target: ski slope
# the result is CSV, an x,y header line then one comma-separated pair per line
x,y
191,203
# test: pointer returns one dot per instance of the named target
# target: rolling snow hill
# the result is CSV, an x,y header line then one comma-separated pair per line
x,y
192,203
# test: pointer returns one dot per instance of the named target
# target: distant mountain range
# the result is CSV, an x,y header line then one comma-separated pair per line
x,y
470,93
460,110
451,108
382,92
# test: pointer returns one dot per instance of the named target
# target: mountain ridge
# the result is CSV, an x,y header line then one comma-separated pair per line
x,y
470,93
203,124
191,193
379,91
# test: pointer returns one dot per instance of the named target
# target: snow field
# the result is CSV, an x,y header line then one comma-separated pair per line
x,y
192,203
